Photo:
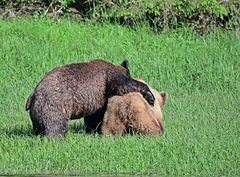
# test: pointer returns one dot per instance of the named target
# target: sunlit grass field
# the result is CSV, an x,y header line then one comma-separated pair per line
x,y
200,74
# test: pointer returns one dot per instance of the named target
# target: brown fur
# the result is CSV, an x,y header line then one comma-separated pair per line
x,y
78,90
131,111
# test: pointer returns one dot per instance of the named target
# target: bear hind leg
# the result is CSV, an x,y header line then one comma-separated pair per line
x,y
49,121
56,129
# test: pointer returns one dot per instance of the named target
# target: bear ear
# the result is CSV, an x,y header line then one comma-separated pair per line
x,y
125,64
164,97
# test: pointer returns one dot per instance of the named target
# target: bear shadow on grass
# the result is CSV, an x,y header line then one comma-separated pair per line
x,y
17,131
75,126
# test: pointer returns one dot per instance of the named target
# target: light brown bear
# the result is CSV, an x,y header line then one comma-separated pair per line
x,y
132,112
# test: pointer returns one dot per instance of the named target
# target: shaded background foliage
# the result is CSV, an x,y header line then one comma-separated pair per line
x,y
159,14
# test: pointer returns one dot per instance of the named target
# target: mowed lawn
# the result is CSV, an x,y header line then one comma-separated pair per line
x,y
200,74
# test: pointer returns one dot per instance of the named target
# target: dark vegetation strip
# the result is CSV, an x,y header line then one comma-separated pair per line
x,y
161,15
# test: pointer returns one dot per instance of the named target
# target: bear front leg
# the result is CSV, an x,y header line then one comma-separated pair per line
x,y
120,85
93,122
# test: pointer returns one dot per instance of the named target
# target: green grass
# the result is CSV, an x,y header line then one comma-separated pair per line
x,y
201,75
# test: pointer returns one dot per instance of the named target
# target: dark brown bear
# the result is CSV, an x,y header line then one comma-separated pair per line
x,y
78,90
